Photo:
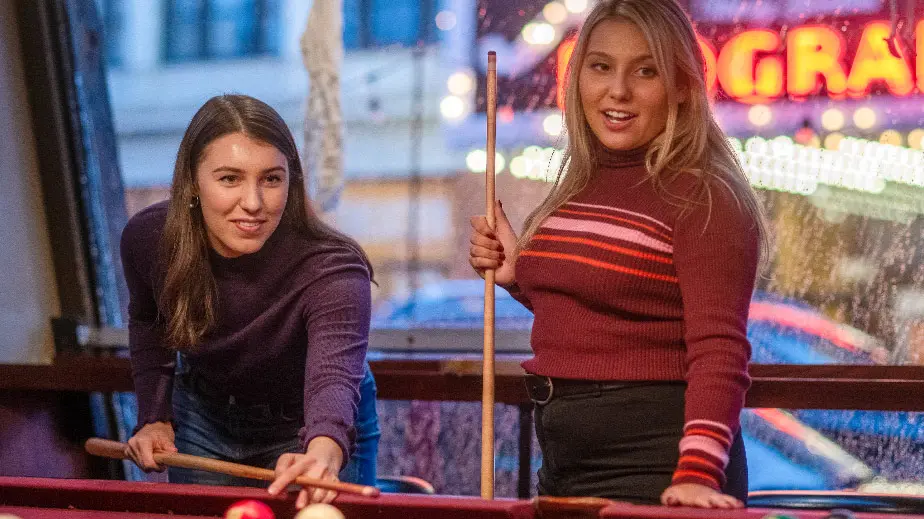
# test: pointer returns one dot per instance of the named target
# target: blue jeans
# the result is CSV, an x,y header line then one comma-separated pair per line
x,y
258,434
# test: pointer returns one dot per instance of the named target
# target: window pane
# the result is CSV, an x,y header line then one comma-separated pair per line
x,y
269,14
395,22
183,29
231,28
846,271
352,23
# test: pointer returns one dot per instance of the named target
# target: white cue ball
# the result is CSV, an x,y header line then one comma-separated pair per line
x,y
320,511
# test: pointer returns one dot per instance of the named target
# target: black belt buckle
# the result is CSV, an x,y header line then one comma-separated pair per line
x,y
539,388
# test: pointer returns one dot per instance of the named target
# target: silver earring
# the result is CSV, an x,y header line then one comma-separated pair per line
x,y
194,203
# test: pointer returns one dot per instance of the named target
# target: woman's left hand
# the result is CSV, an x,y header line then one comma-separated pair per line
x,y
701,496
322,460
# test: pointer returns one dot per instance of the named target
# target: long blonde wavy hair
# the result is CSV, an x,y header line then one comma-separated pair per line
x,y
691,142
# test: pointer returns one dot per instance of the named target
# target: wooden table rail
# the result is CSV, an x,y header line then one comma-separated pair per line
x,y
457,378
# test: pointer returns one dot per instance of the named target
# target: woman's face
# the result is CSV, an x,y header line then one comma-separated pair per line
x,y
243,185
622,92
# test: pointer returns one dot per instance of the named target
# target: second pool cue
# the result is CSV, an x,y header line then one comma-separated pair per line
x,y
487,390
117,450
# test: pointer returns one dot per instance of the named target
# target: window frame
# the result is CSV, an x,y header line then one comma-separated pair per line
x,y
85,284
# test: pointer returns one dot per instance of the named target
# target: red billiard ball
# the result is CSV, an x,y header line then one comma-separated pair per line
x,y
249,509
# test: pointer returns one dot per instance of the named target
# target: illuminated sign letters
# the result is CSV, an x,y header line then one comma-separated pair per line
x,y
757,65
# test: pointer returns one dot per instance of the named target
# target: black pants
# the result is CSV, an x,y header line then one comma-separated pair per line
x,y
620,443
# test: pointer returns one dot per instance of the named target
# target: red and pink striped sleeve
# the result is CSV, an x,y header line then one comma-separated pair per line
x,y
716,256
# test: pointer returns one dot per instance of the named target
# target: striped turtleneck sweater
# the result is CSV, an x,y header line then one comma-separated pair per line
x,y
626,285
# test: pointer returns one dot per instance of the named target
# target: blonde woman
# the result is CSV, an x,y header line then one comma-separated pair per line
x,y
639,268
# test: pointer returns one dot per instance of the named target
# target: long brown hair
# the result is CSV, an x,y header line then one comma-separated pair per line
x,y
189,296
692,140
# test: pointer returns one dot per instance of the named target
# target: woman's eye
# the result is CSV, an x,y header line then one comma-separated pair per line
x,y
228,179
602,67
647,72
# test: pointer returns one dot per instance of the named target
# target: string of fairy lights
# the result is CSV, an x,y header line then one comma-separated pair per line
x,y
779,164
862,177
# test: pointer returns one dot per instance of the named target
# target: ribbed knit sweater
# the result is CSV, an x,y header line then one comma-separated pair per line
x,y
293,323
626,285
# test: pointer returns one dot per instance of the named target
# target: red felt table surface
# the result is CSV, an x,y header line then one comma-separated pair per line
x,y
35,512
39,498
49,497
655,512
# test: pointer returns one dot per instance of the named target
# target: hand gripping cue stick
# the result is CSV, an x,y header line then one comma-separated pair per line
x,y
113,449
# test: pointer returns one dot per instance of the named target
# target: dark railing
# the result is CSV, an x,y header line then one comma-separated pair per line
x,y
437,376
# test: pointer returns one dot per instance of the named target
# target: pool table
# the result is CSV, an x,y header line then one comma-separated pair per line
x,y
41,498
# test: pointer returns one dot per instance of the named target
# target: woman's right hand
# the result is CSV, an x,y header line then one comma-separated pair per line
x,y
494,249
153,437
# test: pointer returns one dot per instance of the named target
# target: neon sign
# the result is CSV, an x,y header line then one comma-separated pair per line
x,y
761,65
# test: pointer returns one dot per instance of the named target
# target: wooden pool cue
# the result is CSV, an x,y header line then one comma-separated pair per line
x,y
487,389
117,450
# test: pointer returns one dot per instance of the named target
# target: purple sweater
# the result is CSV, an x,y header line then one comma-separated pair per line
x,y
292,318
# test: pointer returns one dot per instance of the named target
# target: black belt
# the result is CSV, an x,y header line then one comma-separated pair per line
x,y
542,389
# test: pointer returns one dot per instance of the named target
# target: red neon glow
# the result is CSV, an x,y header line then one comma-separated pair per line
x,y
711,65
807,322
919,38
